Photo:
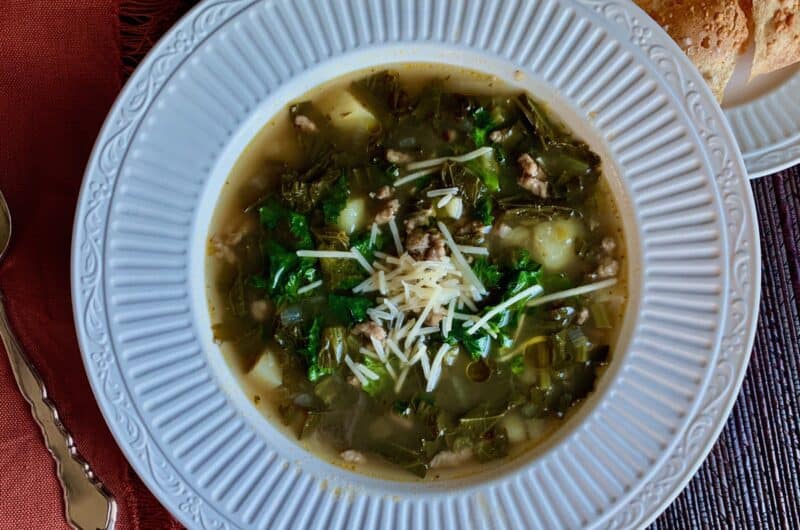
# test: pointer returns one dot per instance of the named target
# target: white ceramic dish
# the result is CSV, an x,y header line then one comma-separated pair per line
x,y
764,115
184,117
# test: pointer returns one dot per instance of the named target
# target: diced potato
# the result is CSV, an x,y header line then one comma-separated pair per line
x,y
515,428
519,236
554,243
346,113
266,372
454,208
536,427
353,216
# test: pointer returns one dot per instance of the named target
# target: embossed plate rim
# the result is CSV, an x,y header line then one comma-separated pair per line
x,y
182,497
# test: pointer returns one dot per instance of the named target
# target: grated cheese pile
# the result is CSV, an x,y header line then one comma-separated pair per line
x,y
419,298
413,295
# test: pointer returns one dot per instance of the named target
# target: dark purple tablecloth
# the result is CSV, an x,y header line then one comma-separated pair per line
x,y
751,478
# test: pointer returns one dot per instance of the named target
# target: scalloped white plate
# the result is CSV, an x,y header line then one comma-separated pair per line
x,y
764,115
138,282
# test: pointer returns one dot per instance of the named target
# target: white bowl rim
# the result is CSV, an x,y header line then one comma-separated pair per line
x,y
640,28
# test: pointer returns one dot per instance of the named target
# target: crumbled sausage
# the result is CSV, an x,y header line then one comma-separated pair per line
x,y
388,212
608,268
499,136
352,456
473,232
417,242
434,319
260,310
419,218
398,157
370,329
221,246
451,458
608,245
438,247
426,245
305,124
532,178
384,192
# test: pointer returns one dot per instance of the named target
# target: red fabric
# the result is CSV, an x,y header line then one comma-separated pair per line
x,y
60,70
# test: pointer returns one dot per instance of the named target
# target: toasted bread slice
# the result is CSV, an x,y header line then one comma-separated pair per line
x,y
776,26
710,32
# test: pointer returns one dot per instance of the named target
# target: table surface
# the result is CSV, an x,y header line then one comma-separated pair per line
x,y
751,478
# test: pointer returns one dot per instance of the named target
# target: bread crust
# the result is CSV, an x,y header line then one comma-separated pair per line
x,y
711,32
776,25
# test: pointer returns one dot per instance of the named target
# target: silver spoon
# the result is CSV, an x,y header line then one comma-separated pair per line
x,y
88,504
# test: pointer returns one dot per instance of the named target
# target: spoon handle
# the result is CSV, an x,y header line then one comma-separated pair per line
x,y
89,505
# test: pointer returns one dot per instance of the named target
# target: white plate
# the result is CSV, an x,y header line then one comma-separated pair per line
x,y
764,115
138,282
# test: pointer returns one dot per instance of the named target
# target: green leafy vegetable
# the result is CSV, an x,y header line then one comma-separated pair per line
x,y
236,296
517,364
381,94
362,244
487,273
572,167
287,272
256,281
281,264
336,200
486,120
553,282
349,309
483,208
409,459
487,169
311,350
298,226
332,346
479,430
374,387
271,213
600,315
477,344
482,124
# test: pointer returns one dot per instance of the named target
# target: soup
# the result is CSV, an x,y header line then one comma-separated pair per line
x,y
416,271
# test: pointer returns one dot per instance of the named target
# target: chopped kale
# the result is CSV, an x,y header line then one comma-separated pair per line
x,y
487,273
335,201
349,309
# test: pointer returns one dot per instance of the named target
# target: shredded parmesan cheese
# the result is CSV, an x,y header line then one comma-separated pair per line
x,y
442,191
533,290
467,249
439,161
325,254
310,287
410,292
444,200
356,372
460,260
362,260
396,236
382,282
414,176
576,291
373,234
367,372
